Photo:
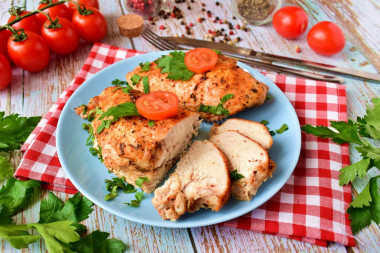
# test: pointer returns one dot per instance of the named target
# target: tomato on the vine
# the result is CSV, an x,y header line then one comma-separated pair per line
x,y
4,36
290,22
91,24
60,10
62,40
87,3
31,54
158,105
5,72
200,60
326,38
31,23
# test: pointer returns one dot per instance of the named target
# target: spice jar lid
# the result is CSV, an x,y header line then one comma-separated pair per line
x,y
130,25
256,12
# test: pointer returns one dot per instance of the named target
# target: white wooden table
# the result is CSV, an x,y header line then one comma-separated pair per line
x,y
33,94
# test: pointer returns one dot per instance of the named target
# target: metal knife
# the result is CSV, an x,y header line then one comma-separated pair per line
x,y
245,53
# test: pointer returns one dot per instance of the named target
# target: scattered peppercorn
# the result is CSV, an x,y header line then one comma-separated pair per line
x,y
150,18
188,32
297,49
203,4
161,12
245,29
234,17
222,29
189,7
165,16
217,3
203,9
231,32
162,27
237,26
209,14
191,24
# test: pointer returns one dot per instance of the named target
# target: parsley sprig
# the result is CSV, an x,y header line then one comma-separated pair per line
x,y
174,65
235,175
219,109
365,207
123,85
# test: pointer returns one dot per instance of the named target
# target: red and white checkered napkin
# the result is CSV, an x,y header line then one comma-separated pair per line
x,y
311,205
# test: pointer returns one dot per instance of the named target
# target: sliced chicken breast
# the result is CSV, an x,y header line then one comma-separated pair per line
x,y
131,148
248,158
201,180
209,88
252,129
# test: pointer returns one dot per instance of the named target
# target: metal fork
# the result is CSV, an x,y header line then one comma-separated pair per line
x,y
161,44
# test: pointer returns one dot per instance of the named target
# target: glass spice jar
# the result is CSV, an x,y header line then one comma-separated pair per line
x,y
256,12
144,8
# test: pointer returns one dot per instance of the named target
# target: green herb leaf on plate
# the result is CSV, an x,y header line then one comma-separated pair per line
x,y
151,123
145,66
135,79
282,129
235,175
145,81
141,180
136,202
174,65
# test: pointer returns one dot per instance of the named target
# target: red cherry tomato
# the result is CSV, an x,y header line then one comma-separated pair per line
x,y
63,40
5,72
326,38
91,27
56,11
31,23
290,22
158,105
4,36
200,60
31,54
87,3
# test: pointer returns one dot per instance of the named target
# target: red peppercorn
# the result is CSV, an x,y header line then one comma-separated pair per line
x,y
237,26
162,27
173,15
231,32
200,20
150,18
203,4
297,49
210,31
191,24
220,21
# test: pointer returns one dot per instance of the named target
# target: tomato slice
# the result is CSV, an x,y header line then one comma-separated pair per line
x,y
158,105
200,60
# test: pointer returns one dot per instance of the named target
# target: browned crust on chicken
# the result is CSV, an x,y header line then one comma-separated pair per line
x,y
208,88
131,148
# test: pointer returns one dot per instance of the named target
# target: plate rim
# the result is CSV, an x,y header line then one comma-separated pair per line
x,y
171,224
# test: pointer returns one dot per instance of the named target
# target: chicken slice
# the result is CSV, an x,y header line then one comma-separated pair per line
x,y
252,129
132,149
208,88
248,158
201,180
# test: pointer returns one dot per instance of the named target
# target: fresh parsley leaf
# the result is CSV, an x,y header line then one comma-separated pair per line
x,y
345,132
349,173
151,123
6,170
264,122
14,130
135,79
268,97
85,109
218,110
120,85
145,81
76,209
136,202
57,234
141,180
272,133
114,185
5,212
118,82
18,194
145,66
282,129
174,65
365,207
91,137
92,114
235,175
97,152
17,235
370,152
97,242
226,97
217,52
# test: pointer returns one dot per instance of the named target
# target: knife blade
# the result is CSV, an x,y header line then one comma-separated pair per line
x,y
265,57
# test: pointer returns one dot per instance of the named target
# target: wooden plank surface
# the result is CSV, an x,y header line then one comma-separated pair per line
x,y
33,94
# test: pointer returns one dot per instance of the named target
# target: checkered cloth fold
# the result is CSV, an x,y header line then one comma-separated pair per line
x,y
311,205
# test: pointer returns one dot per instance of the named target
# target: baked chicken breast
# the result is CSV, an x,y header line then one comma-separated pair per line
x,y
209,88
131,148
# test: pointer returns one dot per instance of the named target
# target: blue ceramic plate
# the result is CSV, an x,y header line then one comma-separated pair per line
x,y
88,174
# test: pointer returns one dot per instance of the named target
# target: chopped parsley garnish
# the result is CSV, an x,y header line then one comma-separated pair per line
x,y
85,108
235,175
282,129
145,66
88,127
264,122
219,109
121,110
145,81
135,79
123,85
141,180
117,184
272,133
151,123
97,152
174,65
365,207
93,113
217,51
136,202
268,97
